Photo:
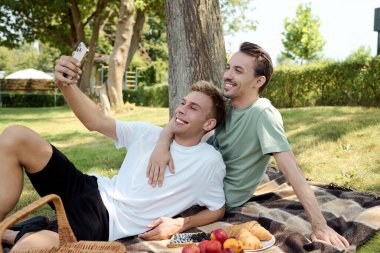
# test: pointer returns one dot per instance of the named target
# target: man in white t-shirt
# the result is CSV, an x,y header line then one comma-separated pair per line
x,y
100,208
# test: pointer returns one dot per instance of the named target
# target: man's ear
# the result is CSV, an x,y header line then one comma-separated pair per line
x,y
209,125
260,81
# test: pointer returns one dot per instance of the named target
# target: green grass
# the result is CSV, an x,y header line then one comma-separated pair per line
x,y
332,144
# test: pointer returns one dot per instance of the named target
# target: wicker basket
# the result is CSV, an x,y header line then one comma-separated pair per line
x,y
67,240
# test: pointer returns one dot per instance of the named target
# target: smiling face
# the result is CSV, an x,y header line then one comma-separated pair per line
x,y
241,84
193,118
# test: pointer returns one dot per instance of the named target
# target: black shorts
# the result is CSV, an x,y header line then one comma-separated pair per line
x,y
87,215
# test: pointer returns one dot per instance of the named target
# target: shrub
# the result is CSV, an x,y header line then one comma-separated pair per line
x,y
13,99
338,83
156,95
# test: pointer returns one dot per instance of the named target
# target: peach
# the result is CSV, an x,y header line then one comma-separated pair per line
x,y
228,250
191,248
233,244
219,235
213,246
202,245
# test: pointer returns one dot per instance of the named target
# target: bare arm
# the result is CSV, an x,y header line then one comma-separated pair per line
x,y
161,157
321,230
165,227
83,107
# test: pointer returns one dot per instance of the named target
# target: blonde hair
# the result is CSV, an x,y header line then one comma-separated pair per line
x,y
219,109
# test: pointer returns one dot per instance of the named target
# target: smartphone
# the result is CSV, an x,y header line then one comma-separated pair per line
x,y
80,54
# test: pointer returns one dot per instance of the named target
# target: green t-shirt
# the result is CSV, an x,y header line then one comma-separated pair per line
x,y
246,141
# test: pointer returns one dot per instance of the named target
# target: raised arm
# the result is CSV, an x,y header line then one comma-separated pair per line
x,y
321,230
165,227
83,107
161,157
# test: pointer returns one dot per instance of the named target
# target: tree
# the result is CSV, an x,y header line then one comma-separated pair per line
x,y
361,54
119,55
234,16
128,35
28,56
98,18
196,45
61,23
302,40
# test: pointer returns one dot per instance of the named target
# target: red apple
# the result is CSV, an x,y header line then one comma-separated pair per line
x,y
228,250
191,248
202,245
219,235
213,246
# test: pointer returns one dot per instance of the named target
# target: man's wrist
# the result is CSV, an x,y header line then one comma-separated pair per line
x,y
164,144
318,224
185,223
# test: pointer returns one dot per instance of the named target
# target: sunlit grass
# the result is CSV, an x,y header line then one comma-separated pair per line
x,y
337,144
332,144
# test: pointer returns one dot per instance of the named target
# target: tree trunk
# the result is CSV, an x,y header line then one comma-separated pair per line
x,y
196,45
120,53
77,29
85,79
137,29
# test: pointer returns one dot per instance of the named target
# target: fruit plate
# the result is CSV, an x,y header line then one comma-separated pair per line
x,y
266,245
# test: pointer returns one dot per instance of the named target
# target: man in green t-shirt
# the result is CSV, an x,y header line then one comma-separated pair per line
x,y
253,132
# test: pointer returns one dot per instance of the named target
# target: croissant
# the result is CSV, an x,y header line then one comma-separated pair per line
x,y
248,240
260,232
233,231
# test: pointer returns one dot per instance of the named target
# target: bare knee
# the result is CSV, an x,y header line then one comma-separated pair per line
x,y
26,146
14,136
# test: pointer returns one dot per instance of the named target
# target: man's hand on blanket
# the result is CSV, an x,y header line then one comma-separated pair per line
x,y
163,228
327,234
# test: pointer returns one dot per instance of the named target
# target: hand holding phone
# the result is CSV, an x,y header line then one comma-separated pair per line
x,y
80,54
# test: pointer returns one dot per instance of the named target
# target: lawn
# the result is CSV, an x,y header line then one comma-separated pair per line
x,y
332,144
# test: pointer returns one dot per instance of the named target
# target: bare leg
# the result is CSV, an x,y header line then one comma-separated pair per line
x,y
20,147
40,239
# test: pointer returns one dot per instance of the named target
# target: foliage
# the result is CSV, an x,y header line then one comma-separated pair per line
x,y
302,40
31,20
51,22
331,83
17,99
28,56
47,57
154,38
6,59
155,43
156,95
361,54
234,16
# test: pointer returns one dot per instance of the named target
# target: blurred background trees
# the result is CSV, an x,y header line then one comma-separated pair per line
x,y
35,33
302,40
132,32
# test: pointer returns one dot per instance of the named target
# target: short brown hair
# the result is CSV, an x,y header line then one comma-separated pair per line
x,y
263,66
219,109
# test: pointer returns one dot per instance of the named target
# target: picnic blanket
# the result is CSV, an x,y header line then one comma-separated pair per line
x,y
355,215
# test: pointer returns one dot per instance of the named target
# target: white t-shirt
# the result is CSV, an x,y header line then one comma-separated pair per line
x,y
133,204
